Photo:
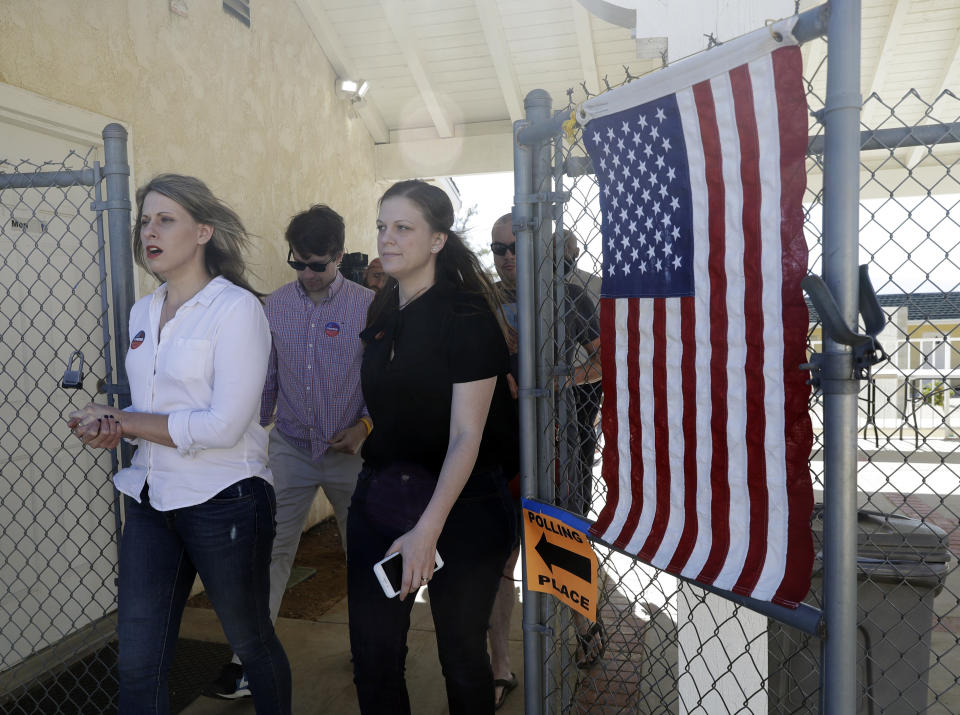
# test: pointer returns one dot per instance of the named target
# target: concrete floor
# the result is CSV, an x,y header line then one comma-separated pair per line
x,y
319,653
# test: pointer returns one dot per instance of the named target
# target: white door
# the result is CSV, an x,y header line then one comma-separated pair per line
x,y
57,550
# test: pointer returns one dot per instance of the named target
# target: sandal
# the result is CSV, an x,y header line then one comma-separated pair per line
x,y
507,684
591,645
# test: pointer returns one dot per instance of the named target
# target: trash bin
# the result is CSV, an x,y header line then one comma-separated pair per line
x,y
901,566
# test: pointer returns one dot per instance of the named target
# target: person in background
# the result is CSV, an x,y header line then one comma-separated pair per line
x,y
374,278
198,494
312,395
589,282
505,680
434,379
583,332
583,293
583,315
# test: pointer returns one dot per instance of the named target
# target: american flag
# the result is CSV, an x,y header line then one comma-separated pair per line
x,y
703,323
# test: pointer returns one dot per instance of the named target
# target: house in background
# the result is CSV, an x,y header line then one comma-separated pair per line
x,y
916,392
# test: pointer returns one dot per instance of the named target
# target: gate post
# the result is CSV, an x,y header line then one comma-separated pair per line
x,y
840,248
526,314
116,172
531,167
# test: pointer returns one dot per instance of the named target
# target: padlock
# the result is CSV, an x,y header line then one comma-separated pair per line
x,y
73,379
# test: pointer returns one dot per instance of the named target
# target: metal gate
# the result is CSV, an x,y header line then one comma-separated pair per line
x,y
62,285
672,646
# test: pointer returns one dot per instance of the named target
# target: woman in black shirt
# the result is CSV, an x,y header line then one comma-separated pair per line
x,y
434,380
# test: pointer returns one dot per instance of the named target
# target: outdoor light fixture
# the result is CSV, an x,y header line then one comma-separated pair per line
x,y
352,89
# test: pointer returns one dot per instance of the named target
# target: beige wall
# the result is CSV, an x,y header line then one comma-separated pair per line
x,y
250,110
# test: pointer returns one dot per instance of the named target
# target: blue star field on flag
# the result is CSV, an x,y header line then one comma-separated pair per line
x,y
641,165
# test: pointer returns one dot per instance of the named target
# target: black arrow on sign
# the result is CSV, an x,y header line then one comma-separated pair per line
x,y
565,559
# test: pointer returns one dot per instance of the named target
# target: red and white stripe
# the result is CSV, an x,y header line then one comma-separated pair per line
x,y
705,417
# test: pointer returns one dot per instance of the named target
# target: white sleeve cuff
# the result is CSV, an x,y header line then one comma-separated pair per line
x,y
135,441
178,425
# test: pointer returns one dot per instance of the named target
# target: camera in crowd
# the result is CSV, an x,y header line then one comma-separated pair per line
x,y
354,266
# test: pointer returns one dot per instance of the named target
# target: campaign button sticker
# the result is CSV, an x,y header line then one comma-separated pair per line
x,y
332,329
137,340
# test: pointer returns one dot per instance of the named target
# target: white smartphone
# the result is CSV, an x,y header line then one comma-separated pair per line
x,y
389,572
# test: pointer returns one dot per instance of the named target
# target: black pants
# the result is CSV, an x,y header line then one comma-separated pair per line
x,y
587,399
479,534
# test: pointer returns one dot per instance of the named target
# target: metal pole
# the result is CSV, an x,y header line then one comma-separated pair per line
x,y
812,23
537,106
899,137
567,483
105,325
116,172
840,248
526,315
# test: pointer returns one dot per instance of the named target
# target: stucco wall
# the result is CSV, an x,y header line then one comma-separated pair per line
x,y
251,111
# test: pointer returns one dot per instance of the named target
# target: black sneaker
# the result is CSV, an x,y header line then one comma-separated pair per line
x,y
230,684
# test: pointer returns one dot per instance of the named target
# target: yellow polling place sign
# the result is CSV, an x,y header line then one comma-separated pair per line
x,y
558,557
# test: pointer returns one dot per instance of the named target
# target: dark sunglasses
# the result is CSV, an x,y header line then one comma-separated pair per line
x,y
314,266
500,249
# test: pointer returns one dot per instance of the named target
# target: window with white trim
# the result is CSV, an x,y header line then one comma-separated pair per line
x,y
935,352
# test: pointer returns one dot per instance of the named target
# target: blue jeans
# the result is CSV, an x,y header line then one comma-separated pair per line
x,y
227,540
476,540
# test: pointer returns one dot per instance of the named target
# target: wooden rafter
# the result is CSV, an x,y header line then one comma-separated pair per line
x,y
500,56
952,60
403,34
891,38
588,54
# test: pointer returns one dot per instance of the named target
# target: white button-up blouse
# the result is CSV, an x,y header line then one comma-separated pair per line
x,y
206,373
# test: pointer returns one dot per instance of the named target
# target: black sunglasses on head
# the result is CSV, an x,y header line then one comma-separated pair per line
x,y
500,249
315,266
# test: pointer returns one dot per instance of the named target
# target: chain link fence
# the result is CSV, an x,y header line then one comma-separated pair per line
x,y
60,515
670,647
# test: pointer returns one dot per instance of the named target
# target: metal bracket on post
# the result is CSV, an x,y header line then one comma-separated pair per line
x,y
539,629
535,392
109,388
121,204
554,201
867,350
544,197
524,223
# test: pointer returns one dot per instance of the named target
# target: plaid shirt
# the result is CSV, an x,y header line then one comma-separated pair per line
x,y
313,377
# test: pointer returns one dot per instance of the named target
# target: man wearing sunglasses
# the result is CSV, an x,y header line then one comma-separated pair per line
x,y
582,330
312,395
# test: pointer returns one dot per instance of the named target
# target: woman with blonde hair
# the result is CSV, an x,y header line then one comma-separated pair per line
x,y
198,494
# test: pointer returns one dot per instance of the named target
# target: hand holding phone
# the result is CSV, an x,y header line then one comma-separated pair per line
x,y
389,572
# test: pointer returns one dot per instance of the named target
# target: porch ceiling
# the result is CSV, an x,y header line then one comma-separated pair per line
x,y
447,77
